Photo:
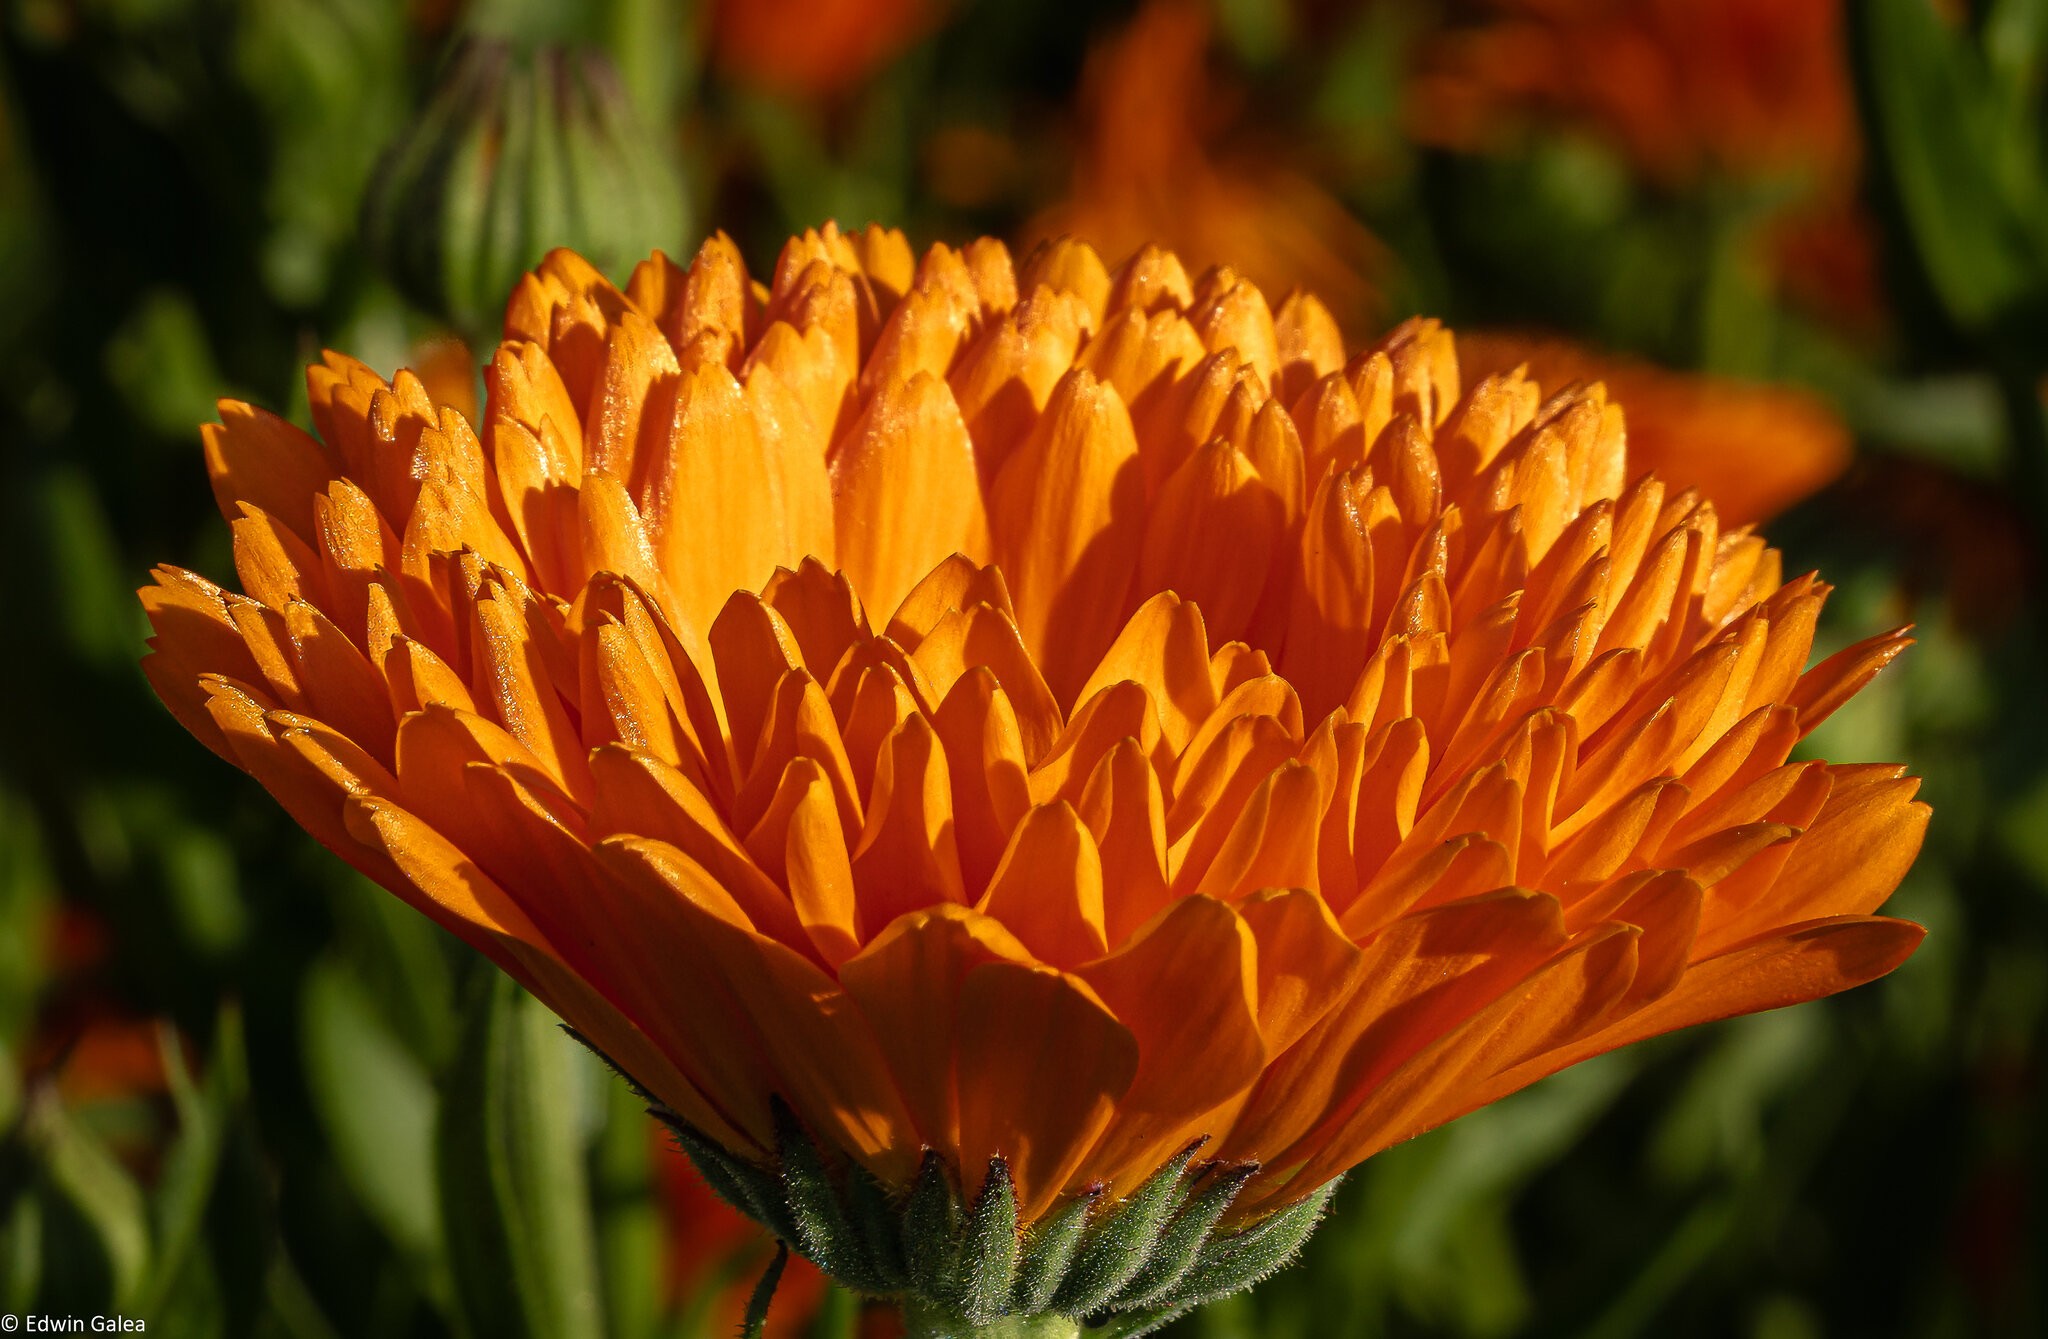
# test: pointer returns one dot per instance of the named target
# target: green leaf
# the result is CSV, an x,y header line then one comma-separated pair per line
x,y
83,1181
629,1230
376,1103
21,1251
756,1319
515,1200
192,1165
1968,175
98,619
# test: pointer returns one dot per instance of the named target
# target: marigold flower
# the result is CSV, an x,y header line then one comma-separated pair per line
x,y
1043,716
1751,449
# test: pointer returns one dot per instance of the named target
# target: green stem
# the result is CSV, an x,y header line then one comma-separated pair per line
x,y
921,1320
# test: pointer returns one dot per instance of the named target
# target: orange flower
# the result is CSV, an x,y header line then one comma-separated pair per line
x,y
1150,725
1751,449
1680,85
815,48
1149,170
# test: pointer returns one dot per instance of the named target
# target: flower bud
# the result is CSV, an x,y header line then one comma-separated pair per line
x,y
518,151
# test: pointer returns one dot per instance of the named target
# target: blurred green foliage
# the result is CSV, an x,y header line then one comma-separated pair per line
x,y
360,1130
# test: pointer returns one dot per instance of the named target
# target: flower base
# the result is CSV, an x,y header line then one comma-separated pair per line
x,y
963,1267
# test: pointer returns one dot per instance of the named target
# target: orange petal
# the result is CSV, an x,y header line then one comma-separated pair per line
x,y
908,980
1215,492
254,456
1041,1064
1800,963
1126,811
822,612
905,491
446,884
984,637
709,495
1048,889
1187,988
1066,513
1555,1005
956,583
905,859
639,795
194,635
753,650
800,844
1165,649
1422,977
1306,963
819,1047
986,761
1006,377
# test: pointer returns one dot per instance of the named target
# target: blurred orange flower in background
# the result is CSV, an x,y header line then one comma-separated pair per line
x,y
1751,449
815,48
1685,89
1152,722
1682,86
1156,163
447,372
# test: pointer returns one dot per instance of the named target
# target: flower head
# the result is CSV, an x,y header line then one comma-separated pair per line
x,y
1046,716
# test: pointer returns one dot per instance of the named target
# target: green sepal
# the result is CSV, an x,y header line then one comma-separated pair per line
x,y
1236,1261
1125,1267
747,1188
932,1224
988,1257
824,1232
1049,1253
756,1319
654,1104
1113,1253
874,1221
1180,1245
